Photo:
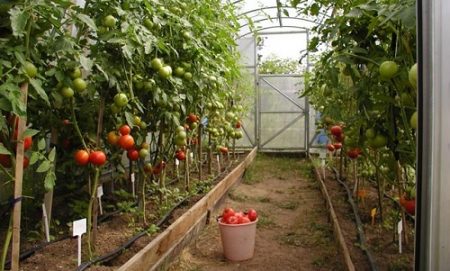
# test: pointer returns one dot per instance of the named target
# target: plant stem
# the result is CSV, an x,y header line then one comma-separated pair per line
x,y
6,245
90,211
75,124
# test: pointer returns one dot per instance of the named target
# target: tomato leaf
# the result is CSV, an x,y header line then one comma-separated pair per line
x,y
19,21
87,20
130,119
41,144
30,132
34,157
49,181
52,154
86,63
44,166
36,83
5,105
4,150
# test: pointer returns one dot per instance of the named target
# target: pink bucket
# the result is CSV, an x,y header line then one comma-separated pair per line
x,y
238,240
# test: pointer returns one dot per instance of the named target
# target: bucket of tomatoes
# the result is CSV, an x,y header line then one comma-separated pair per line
x,y
238,232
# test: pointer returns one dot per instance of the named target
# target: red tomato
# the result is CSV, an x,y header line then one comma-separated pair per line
x,y
232,220
353,153
97,158
66,122
330,147
409,205
180,155
81,157
238,124
337,145
243,220
26,162
125,130
223,150
192,118
340,138
27,142
133,154
252,214
126,142
336,130
5,160
227,212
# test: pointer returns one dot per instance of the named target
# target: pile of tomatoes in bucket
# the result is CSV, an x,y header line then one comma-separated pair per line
x,y
229,216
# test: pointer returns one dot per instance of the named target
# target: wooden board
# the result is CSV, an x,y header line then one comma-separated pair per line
x,y
147,258
336,227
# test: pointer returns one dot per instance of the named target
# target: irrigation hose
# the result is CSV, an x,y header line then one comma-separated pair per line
x,y
359,225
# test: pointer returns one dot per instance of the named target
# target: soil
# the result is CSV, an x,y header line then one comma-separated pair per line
x,y
380,236
293,231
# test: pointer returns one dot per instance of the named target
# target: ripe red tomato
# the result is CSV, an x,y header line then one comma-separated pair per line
x,y
133,154
337,145
66,122
353,153
125,130
5,160
112,138
26,162
243,220
192,118
227,212
180,155
223,149
336,130
97,158
81,157
409,205
232,220
340,138
238,124
252,214
330,147
126,142
27,142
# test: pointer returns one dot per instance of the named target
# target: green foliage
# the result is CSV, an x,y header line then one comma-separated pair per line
x,y
276,65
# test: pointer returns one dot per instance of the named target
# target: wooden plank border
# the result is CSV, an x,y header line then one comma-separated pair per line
x,y
150,255
336,227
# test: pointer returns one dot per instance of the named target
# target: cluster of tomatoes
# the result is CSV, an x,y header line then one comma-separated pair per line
x,y
83,157
338,136
5,159
229,216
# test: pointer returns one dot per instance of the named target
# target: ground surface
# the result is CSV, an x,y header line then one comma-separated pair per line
x,y
293,230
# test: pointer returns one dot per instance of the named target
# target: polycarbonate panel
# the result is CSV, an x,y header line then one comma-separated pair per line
x,y
246,47
249,103
280,94
293,137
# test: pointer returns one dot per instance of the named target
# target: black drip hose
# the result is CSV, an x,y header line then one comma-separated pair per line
x,y
359,225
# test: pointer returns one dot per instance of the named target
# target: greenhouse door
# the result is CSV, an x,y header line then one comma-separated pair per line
x,y
282,123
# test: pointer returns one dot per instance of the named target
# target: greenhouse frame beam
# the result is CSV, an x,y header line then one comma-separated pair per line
x,y
260,31
273,18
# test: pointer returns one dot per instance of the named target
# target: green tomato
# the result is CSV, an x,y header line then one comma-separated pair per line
x,y
109,21
143,153
370,133
180,129
165,72
156,63
388,69
412,75
379,141
67,92
76,73
187,35
179,71
115,109
413,121
238,134
30,69
187,76
79,84
120,99
180,140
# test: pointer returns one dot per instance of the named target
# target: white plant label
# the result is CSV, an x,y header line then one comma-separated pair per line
x,y
399,230
132,184
191,154
79,227
99,196
133,178
177,162
218,163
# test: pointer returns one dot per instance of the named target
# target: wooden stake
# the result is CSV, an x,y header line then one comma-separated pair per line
x,y
200,152
186,171
15,253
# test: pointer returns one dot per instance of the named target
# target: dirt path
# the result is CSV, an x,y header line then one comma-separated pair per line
x,y
293,231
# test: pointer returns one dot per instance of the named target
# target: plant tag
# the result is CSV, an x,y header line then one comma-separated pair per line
x,y
177,162
100,191
133,177
373,212
79,227
399,230
218,163
322,155
191,154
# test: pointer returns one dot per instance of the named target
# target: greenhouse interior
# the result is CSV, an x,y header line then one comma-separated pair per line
x,y
224,135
